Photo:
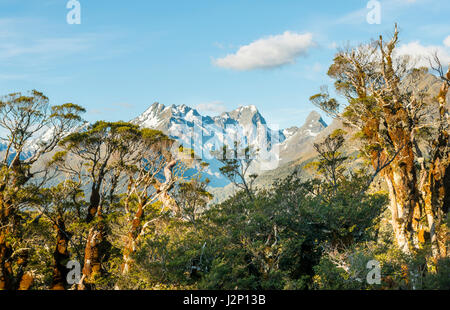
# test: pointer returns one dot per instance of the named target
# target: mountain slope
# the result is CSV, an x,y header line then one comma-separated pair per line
x,y
205,134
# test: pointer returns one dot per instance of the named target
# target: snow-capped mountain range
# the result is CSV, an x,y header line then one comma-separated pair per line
x,y
207,135
245,125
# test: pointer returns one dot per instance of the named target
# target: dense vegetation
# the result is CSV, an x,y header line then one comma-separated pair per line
x,y
123,202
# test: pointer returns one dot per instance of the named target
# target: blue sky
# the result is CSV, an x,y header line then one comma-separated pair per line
x,y
212,54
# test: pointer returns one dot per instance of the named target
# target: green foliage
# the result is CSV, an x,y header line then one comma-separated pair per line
x,y
236,164
275,240
297,234
327,104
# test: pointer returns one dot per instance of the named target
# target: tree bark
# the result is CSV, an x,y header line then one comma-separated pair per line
x,y
6,272
132,238
96,250
436,190
5,265
96,244
61,256
136,230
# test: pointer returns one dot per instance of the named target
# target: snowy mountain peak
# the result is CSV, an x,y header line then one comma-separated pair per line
x,y
159,116
205,135
299,137
314,118
244,125
243,115
250,108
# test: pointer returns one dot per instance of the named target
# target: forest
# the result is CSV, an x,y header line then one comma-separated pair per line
x,y
112,206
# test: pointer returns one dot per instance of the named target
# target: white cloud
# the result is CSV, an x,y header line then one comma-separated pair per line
x,y
317,67
124,105
219,45
333,45
215,107
31,42
270,52
116,107
403,2
422,53
48,47
353,17
447,41
9,77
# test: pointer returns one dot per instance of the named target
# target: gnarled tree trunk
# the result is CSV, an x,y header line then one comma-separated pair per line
x,y
137,229
96,250
61,256
388,118
436,190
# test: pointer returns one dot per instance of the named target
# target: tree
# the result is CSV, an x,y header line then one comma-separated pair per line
x,y
331,160
97,156
236,164
151,177
192,197
60,205
388,118
23,118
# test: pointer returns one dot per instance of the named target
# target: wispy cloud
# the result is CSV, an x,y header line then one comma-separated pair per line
x,y
215,107
47,47
289,115
124,105
9,77
404,2
355,17
28,41
116,107
270,52
447,41
422,53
